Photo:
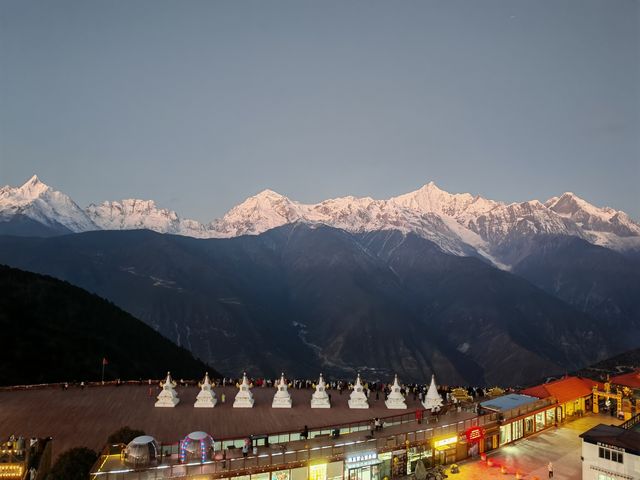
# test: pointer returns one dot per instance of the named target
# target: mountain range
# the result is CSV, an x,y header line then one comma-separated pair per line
x,y
474,290
461,224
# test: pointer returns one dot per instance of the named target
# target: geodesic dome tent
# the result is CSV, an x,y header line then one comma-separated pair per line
x,y
142,451
197,446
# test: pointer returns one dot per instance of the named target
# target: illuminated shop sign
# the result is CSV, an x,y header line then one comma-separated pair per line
x,y
474,434
445,442
362,457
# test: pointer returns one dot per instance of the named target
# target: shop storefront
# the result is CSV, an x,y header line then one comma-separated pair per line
x,y
527,425
424,453
444,449
362,466
475,439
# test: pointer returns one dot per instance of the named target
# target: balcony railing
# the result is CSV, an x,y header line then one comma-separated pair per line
x,y
288,450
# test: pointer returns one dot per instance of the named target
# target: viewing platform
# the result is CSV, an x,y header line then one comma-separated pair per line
x,y
98,411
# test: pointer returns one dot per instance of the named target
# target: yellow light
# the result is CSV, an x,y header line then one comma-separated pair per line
x,y
318,471
444,442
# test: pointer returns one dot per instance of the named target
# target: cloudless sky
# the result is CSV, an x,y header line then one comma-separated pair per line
x,y
199,104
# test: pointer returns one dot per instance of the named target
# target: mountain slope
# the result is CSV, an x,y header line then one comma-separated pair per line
x,y
492,317
309,299
592,279
55,332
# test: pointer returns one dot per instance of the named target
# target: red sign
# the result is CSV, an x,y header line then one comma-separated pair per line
x,y
474,434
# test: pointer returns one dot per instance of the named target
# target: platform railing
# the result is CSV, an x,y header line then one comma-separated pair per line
x,y
290,456
632,422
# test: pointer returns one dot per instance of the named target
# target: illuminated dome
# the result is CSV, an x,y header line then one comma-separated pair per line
x,y
197,446
142,451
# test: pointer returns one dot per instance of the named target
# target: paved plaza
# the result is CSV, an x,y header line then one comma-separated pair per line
x,y
530,456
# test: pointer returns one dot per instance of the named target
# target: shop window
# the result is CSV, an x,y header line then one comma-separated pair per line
x,y
505,434
609,454
528,425
602,476
318,472
539,421
281,475
335,471
551,416
416,454
569,408
300,473
518,429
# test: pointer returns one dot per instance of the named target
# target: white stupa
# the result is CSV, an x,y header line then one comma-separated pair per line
x,y
282,398
320,398
206,397
358,399
244,397
395,400
433,398
168,396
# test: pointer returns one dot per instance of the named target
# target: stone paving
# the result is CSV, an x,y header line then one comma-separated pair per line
x,y
530,456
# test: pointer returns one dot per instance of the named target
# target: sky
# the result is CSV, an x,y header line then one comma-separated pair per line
x,y
200,104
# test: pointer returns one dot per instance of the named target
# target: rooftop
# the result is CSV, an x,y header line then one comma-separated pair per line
x,y
507,402
613,435
631,379
563,390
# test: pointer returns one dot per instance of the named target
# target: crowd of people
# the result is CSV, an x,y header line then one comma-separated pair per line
x,y
372,389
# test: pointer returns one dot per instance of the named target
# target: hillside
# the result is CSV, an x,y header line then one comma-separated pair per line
x,y
55,332
307,300
622,363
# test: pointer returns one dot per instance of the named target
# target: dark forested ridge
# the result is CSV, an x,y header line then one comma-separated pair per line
x,y
309,299
55,332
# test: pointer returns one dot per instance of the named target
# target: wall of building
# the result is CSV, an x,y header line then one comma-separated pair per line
x,y
527,425
596,468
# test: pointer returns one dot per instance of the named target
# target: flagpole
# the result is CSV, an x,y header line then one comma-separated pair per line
x,y
103,371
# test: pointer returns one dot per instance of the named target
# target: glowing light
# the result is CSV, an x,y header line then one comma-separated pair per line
x,y
445,442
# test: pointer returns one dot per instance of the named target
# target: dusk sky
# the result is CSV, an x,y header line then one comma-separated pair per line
x,y
200,104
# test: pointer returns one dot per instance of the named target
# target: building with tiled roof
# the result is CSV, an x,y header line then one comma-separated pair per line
x,y
573,394
631,380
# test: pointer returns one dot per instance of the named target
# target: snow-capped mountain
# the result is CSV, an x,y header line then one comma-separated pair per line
x,y
132,214
38,202
269,209
461,206
462,224
257,214
591,218
519,219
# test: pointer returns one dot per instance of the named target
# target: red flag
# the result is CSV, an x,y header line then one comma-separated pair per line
x,y
104,361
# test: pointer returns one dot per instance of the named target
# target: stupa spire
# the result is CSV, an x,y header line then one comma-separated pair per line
x,y
244,397
168,396
433,400
396,400
358,399
206,397
320,398
282,398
